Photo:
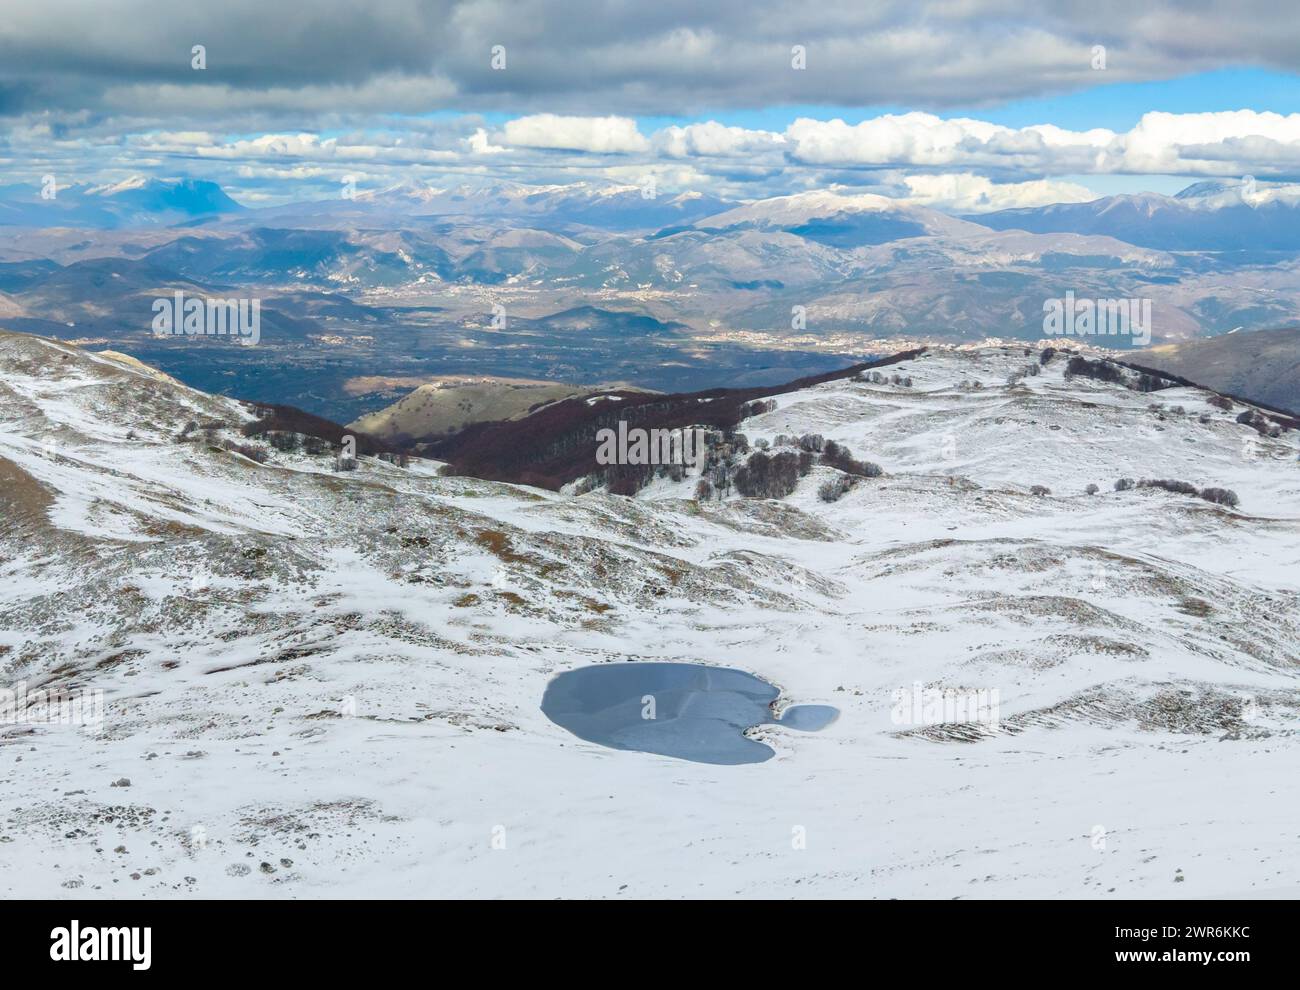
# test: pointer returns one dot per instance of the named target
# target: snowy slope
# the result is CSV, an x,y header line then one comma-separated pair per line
x,y
328,684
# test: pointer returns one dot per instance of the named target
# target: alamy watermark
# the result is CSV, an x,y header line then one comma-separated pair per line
x,y
921,706
655,446
1098,317
73,943
182,315
51,706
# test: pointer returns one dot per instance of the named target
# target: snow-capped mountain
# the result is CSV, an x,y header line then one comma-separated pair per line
x,y
136,202
328,683
1206,216
838,219
572,208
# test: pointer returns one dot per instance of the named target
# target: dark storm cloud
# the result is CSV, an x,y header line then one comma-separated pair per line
x,y
669,57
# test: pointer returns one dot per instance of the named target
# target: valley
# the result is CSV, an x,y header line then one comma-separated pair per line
x,y
590,283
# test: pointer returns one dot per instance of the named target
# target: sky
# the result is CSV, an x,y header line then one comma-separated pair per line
x,y
964,105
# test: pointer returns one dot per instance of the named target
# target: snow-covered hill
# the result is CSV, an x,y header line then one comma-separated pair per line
x,y
321,683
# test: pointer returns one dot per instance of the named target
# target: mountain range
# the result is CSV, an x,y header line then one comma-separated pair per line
x,y
411,282
1206,216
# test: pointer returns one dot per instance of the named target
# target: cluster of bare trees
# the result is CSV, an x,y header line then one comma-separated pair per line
x,y
283,441
1106,371
1030,370
832,489
773,470
838,456
769,475
757,408
1219,496
877,378
1261,424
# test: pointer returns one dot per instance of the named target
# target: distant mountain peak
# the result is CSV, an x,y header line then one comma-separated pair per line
x,y
126,185
1208,187
419,192
155,184
804,206
143,199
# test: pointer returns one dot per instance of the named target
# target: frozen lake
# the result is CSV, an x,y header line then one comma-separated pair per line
x,y
683,710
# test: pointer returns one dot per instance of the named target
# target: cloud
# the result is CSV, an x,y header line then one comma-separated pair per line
x,y
963,192
1211,143
201,98
714,139
479,143
600,135
674,57
959,164
927,140
912,138
1215,144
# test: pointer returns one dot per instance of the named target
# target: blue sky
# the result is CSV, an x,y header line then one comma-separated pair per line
x,y
1116,106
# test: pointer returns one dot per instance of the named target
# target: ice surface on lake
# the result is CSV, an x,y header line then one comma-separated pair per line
x,y
684,710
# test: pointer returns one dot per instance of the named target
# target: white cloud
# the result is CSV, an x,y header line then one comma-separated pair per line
x,y
712,139
962,192
1161,143
1212,142
962,164
479,144
299,147
912,138
599,135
